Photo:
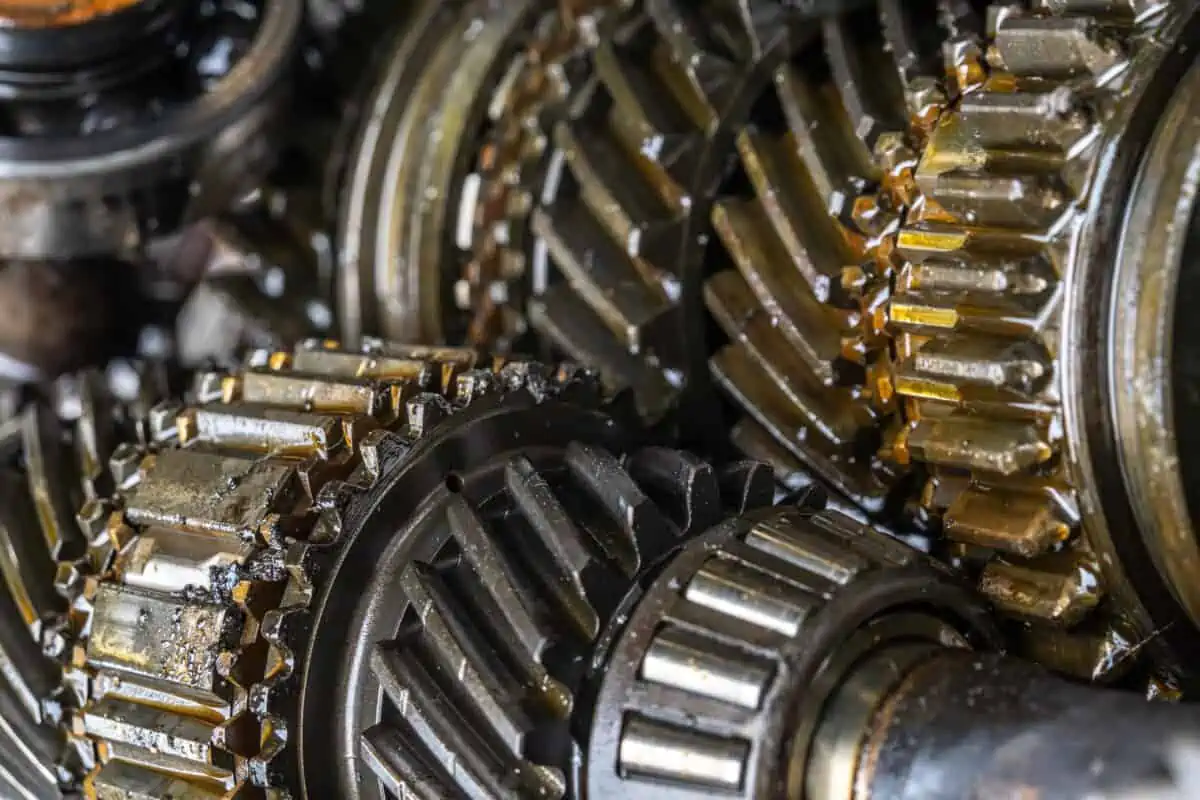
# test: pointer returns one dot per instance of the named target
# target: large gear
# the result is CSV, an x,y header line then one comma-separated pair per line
x,y
187,612
473,634
904,222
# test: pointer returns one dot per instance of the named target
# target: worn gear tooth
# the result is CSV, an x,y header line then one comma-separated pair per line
x,y
525,629
867,78
50,480
310,392
972,371
774,411
25,562
213,493
710,75
1020,203
566,320
121,780
830,409
631,212
434,732
1022,523
648,117
1057,589
1100,656
569,552
1055,47
757,442
178,745
608,279
265,430
817,247
1050,123
835,159
989,445
747,485
682,485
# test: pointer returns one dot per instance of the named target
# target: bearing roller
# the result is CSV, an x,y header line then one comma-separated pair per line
x,y
795,653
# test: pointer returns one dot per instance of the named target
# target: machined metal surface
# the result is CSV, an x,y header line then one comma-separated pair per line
x,y
102,179
906,222
763,622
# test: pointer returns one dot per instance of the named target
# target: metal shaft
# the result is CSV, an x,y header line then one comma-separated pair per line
x,y
968,725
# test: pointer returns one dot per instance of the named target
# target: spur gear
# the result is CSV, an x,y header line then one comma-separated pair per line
x,y
908,224
473,633
189,610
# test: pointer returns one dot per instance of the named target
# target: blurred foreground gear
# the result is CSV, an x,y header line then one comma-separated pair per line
x,y
52,451
944,244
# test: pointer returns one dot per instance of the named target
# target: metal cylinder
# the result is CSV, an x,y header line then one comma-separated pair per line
x,y
960,725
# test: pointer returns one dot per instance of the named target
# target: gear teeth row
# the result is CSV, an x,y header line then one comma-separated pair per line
x,y
536,87
700,674
825,183
466,719
187,609
979,296
614,208
620,193
48,468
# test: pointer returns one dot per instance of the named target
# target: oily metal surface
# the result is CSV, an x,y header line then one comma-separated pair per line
x,y
187,608
887,204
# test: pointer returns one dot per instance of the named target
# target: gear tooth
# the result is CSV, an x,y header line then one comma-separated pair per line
x,y
682,485
644,529
748,485
1058,590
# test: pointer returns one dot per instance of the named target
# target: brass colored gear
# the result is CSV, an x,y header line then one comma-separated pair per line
x,y
906,221
992,300
186,611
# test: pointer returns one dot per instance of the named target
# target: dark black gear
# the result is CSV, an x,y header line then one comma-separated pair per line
x,y
477,576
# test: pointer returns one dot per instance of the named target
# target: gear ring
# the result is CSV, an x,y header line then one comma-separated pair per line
x,y
80,181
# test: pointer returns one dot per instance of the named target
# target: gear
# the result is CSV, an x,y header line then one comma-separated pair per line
x,y
888,221
187,612
487,590
126,118
49,448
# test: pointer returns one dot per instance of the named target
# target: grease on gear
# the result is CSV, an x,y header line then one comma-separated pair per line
x,y
187,612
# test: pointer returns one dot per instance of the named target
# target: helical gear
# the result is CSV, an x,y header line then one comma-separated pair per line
x,y
884,213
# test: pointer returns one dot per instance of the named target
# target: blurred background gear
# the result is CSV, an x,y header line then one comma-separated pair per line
x,y
52,452
124,122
